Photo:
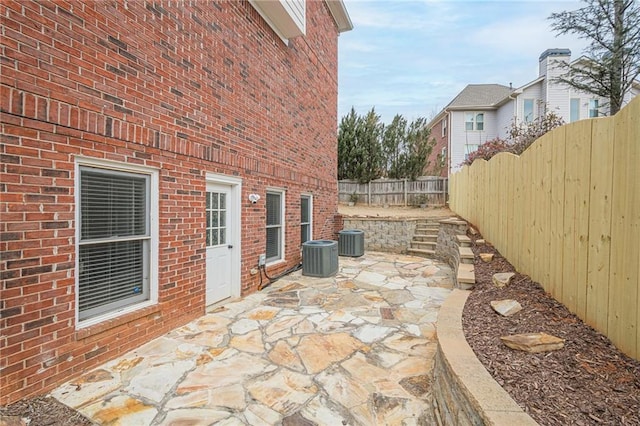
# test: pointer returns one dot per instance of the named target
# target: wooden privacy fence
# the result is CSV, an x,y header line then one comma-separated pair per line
x,y
431,190
567,213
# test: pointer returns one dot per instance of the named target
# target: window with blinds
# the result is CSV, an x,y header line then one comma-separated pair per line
x,y
114,240
274,226
305,218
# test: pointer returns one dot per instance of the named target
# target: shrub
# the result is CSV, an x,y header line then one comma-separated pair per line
x,y
488,150
520,137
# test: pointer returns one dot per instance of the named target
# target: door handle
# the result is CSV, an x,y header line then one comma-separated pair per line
x,y
229,246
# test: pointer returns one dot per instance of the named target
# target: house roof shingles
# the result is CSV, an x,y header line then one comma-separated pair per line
x,y
480,95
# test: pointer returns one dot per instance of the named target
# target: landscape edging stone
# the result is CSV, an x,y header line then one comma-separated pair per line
x,y
463,390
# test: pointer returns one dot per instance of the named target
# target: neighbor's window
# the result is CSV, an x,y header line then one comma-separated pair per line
x,y
275,229
474,121
305,218
593,108
114,247
480,121
469,120
444,127
574,110
528,111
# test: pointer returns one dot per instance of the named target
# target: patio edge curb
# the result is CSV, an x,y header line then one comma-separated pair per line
x,y
463,390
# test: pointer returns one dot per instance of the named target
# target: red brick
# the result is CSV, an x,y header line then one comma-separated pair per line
x,y
84,99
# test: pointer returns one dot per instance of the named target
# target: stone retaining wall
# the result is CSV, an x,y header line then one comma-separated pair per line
x,y
464,393
447,247
389,235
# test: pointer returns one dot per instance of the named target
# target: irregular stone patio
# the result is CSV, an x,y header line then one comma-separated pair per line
x,y
354,349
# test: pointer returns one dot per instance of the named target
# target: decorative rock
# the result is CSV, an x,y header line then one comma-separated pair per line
x,y
12,421
480,241
506,307
473,231
486,257
533,342
502,279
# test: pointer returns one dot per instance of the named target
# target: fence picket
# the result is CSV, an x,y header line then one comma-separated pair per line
x,y
568,215
395,192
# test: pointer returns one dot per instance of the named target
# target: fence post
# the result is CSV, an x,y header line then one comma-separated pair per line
x,y
369,193
405,192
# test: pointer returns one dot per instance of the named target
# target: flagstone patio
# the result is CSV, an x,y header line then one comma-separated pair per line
x,y
353,349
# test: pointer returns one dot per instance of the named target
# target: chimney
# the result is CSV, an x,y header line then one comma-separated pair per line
x,y
550,55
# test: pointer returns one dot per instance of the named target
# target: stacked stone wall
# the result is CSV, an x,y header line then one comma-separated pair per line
x,y
389,235
447,247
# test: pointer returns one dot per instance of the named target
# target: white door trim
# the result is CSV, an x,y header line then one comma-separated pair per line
x,y
235,221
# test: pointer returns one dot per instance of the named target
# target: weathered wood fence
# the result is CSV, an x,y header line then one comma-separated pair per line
x,y
431,190
567,213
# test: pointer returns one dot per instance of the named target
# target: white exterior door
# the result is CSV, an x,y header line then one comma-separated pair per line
x,y
219,243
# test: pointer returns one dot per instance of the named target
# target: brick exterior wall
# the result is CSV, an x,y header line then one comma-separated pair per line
x,y
187,88
441,142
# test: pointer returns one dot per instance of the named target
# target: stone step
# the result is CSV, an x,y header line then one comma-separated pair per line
x,y
425,238
421,252
431,245
466,276
466,255
433,229
463,240
430,220
426,232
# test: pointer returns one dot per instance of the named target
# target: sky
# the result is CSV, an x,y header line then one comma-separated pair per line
x,y
413,57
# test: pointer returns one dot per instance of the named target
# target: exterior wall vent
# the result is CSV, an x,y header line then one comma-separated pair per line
x,y
320,258
351,243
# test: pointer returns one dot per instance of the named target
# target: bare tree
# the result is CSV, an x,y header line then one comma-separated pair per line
x,y
612,28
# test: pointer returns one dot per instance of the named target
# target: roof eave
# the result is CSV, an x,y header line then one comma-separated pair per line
x,y
473,107
340,15
437,118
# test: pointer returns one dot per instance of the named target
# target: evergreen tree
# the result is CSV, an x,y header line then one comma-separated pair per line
x,y
392,145
369,153
347,142
419,145
368,150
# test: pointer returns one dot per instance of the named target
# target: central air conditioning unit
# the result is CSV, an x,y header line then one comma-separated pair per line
x,y
351,242
320,258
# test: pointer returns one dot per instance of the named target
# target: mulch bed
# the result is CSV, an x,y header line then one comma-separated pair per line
x,y
42,411
588,382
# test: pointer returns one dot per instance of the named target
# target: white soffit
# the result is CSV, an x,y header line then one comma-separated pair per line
x,y
286,17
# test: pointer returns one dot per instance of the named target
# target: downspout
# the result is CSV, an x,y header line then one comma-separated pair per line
x,y
446,111
515,106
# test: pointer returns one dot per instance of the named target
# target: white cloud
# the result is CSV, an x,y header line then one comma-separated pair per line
x,y
411,57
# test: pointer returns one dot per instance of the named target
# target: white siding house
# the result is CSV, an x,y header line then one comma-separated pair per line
x,y
481,112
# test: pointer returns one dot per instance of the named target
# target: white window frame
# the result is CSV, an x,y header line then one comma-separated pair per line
x,y
282,194
473,115
154,201
444,127
574,109
478,123
594,108
310,222
524,110
443,156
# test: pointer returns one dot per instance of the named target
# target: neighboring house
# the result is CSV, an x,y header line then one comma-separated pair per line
x,y
482,112
151,153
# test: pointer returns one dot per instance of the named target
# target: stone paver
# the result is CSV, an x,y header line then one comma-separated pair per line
x,y
354,349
